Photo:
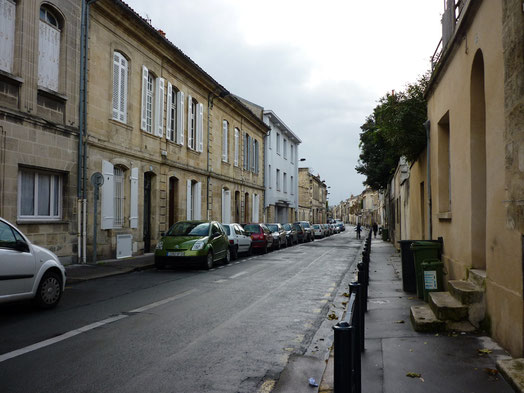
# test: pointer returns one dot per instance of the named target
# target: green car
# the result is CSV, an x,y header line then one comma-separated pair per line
x,y
201,242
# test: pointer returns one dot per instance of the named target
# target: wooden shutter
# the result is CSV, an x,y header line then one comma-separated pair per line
x,y
143,122
200,127
169,108
159,107
190,122
108,196
188,200
180,118
198,201
48,56
237,136
133,215
7,32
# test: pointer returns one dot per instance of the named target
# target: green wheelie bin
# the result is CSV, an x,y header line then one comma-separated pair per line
x,y
433,276
423,250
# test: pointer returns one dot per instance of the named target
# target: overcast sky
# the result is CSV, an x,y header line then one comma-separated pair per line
x,y
320,68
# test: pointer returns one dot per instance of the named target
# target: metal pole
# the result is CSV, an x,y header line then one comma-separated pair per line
x,y
94,222
343,367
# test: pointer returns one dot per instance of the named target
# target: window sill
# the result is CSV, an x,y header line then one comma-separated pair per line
x,y
444,216
120,124
193,151
42,221
226,163
52,94
11,77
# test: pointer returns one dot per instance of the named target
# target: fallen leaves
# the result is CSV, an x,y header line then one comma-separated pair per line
x,y
345,294
413,375
484,351
491,371
332,316
401,321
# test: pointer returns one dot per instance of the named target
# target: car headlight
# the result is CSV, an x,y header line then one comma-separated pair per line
x,y
199,245
160,245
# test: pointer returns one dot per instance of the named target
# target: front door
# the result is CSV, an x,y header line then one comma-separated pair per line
x,y
147,212
173,193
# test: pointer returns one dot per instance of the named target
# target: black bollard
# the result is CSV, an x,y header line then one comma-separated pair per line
x,y
343,357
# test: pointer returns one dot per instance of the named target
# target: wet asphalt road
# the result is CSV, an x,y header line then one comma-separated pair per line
x,y
231,329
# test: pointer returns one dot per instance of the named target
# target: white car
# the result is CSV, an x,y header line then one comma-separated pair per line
x,y
28,271
318,231
239,240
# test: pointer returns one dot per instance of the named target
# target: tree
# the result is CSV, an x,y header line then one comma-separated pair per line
x,y
394,129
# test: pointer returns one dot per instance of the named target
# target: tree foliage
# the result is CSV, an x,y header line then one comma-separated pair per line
x,y
394,129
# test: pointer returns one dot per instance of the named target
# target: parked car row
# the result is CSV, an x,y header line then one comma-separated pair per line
x,y
323,230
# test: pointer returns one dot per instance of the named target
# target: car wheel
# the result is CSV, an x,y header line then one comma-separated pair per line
x,y
49,290
234,252
159,265
227,258
208,262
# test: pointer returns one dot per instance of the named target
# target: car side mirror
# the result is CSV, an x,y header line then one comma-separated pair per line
x,y
21,246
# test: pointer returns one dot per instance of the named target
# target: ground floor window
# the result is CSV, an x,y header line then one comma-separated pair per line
x,y
39,195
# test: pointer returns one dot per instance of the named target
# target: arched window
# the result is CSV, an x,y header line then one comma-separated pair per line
x,y
120,71
50,28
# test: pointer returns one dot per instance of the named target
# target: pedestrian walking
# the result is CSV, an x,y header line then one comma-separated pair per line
x,y
375,229
358,229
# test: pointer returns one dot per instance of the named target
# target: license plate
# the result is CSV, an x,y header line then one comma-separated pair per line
x,y
175,254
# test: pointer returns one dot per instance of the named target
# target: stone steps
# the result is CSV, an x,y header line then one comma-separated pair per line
x,y
465,291
446,307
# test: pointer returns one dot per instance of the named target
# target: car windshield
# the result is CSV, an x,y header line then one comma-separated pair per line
x,y
252,228
305,224
273,228
287,227
185,228
227,229
316,226
297,227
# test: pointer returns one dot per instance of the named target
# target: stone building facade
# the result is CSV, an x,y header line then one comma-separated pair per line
x,y
312,196
39,84
476,172
170,141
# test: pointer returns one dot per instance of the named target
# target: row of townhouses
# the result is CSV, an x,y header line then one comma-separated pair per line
x,y
467,186
109,134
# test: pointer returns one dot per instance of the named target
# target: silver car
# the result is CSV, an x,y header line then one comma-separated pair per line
x,y
28,271
239,240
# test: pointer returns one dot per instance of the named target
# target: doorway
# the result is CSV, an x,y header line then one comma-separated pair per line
x,y
147,212
173,201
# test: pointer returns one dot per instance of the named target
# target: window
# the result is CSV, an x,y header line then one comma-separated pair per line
x,y
39,195
292,153
194,200
48,49
278,179
247,144
118,178
225,131
226,206
195,117
269,176
175,115
120,67
284,182
152,103
285,149
269,140
256,156
237,142
278,143
256,202
291,185
7,32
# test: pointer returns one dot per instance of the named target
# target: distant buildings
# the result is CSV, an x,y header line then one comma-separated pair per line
x,y
312,197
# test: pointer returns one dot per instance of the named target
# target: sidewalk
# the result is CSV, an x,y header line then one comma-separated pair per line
x,y
446,362
83,272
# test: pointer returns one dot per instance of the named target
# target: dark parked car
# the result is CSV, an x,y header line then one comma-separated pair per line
x,y
310,236
291,234
261,237
301,232
279,235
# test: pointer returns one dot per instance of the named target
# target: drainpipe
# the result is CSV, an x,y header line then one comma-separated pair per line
x,y
82,140
427,126
210,97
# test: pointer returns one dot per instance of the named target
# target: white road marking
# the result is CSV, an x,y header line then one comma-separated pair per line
x,y
84,329
238,274
57,339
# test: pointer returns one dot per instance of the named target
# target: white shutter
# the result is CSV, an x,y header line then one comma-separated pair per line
x,y
169,106
255,208
159,107
198,201
180,118
256,157
188,200
108,196
123,89
228,207
116,85
190,122
119,87
224,140
143,122
200,127
237,136
48,56
133,216
7,34
253,142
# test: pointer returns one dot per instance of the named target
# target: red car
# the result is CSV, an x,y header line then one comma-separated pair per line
x,y
261,237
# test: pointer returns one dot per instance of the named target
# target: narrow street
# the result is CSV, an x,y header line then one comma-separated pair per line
x,y
231,329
